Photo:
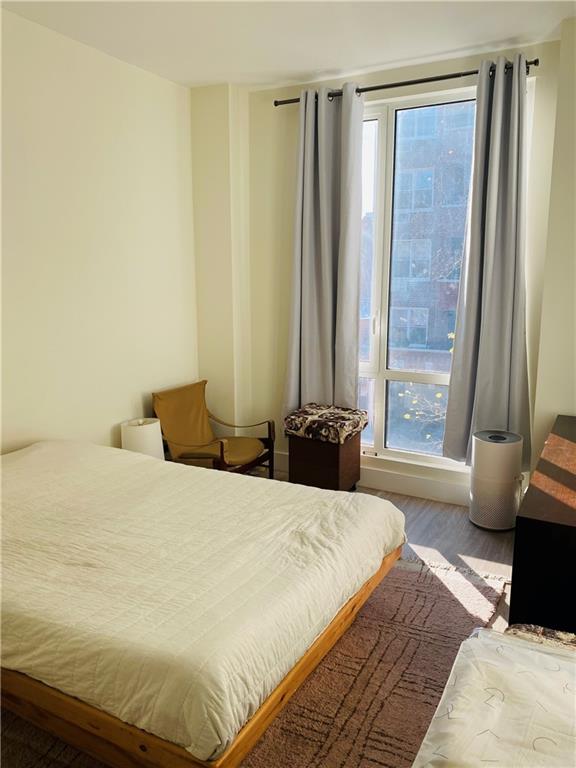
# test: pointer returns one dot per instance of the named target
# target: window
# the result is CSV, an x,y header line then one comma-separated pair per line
x,y
408,327
457,116
455,180
412,259
414,189
414,123
414,216
449,259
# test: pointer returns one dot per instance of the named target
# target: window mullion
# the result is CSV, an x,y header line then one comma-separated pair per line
x,y
418,377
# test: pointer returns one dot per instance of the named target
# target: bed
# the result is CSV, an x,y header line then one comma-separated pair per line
x,y
160,614
509,702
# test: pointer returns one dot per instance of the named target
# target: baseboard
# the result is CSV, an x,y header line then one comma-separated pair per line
x,y
281,461
432,483
435,483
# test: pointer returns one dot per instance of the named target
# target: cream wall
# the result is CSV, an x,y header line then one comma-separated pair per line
x,y
219,161
556,387
210,128
98,268
272,149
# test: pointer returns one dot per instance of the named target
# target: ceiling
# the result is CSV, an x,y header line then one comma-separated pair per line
x,y
260,43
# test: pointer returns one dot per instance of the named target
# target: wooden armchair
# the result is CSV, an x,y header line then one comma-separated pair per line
x,y
185,421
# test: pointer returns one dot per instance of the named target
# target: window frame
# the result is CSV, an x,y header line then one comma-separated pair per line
x,y
384,111
373,364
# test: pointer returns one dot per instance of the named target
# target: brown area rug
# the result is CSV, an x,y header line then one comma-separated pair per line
x,y
369,703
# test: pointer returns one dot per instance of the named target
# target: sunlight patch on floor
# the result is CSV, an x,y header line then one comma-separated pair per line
x,y
480,567
467,593
428,554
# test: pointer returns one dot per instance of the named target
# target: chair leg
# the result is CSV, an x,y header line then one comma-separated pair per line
x,y
271,463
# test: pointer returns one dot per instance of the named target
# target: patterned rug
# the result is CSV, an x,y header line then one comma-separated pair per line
x,y
368,704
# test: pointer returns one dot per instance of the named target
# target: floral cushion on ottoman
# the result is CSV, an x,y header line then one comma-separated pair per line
x,y
328,423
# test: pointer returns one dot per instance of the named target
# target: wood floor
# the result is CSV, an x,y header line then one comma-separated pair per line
x,y
442,533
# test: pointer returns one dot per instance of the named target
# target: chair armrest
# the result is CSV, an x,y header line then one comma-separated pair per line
x,y
270,423
271,430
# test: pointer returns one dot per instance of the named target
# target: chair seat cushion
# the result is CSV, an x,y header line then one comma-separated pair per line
x,y
239,450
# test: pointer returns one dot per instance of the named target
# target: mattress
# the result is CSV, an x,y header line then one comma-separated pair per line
x,y
508,702
173,597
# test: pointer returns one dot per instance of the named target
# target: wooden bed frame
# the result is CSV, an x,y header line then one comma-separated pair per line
x,y
120,745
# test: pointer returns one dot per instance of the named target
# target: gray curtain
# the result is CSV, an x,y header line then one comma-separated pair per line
x,y
323,347
489,380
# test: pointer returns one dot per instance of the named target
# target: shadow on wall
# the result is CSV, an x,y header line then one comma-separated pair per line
x,y
146,410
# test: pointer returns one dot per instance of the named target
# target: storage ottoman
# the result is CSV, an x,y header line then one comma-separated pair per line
x,y
325,446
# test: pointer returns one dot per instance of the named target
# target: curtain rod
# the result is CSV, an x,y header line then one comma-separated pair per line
x,y
418,81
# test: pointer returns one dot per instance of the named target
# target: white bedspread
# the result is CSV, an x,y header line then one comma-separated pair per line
x,y
173,597
508,702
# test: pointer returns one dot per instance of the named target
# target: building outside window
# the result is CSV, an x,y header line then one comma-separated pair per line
x,y
449,260
419,124
408,327
417,160
457,117
412,259
415,189
454,184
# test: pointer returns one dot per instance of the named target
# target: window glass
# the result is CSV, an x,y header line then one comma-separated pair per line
x,y
455,179
415,416
414,123
423,189
412,259
457,116
428,228
424,221
403,193
408,124
426,122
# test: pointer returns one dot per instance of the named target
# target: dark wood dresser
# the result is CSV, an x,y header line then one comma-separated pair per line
x,y
544,566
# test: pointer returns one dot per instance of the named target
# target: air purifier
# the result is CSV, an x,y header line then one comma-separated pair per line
x,y
496,479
